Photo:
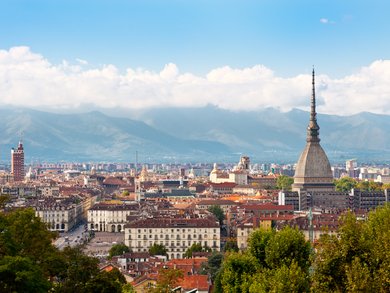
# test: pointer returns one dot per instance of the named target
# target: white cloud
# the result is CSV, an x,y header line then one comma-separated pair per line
x,y
327,21
28,79
82,61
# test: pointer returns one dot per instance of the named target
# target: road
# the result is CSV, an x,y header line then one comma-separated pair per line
x,y
72,238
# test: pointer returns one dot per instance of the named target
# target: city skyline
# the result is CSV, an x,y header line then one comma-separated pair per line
x,y
142,54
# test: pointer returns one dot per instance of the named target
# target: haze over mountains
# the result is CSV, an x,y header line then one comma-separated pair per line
x,y
204,134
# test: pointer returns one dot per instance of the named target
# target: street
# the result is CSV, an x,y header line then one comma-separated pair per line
x,y
72,238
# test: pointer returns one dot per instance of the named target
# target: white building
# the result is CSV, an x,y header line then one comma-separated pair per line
x,y
110,217
176,234
59,214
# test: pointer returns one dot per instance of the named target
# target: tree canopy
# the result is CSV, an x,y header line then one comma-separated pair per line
x,y
345,184
284,182
30,263
271,256
167,280
118,249
218,213
196,247
357,260
157,249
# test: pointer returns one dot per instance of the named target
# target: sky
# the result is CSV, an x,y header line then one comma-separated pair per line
x,y
237,55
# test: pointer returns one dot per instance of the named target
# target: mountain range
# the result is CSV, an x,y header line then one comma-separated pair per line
x,y
204,134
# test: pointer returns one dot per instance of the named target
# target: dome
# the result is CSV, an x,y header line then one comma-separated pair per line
x,y
313,167
313,172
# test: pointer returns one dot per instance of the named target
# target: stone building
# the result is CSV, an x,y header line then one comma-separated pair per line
x,y
110,217
59,214
176,234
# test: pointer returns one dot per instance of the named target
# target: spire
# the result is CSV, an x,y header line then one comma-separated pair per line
x,y
313,128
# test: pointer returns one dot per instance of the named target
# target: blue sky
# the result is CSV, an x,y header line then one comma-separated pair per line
x,y
286,36
137,54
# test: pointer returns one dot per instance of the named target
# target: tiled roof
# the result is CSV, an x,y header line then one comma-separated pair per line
x,y
173,223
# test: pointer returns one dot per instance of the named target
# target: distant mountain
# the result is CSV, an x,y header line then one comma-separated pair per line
x,y
190,134
94,136
273,135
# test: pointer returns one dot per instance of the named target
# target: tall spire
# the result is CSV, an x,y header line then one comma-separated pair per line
x,y
313,128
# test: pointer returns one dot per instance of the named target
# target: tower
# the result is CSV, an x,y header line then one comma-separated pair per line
x,y
17,162
313,171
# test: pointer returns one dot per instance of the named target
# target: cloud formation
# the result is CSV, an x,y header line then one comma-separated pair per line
x,y
28,79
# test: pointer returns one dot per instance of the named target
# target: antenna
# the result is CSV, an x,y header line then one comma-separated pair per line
x,y
136,163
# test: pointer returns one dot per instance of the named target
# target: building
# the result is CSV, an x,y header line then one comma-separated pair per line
x,y
176,234
108,217
59,214
313,171
17,162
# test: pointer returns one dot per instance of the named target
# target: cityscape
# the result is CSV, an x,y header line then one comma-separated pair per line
x,y
238,180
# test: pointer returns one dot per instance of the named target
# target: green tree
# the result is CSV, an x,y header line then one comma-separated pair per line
x,y
167,280
125,193
284,182
274,262
386,186
21,274
237,269
218,213
369,186
128,288
257,244
157,249
231,246
345,184
196,247
79,270
106,282
213,265
118,249
357,260
4,199
287,246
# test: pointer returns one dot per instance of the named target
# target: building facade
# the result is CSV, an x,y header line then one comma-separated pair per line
x,y
106,217
59,214
176,234
17,162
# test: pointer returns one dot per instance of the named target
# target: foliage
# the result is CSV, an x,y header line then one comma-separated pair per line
x,y
112,281
196,247
118,249
128,288
213,264
237,269
157,249
231,246
30,263
21,274
257,244
218,213
79,269
287,246
345,184
386,186
284,182
357,260
369,186
4,199
125,193
167,280
274,262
